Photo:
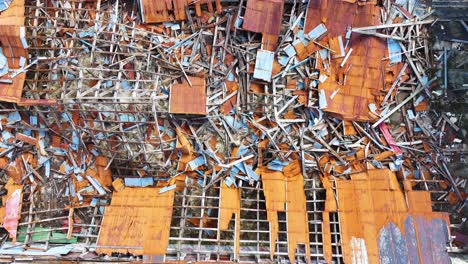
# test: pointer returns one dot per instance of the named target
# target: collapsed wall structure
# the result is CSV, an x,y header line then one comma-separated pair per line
x,y
223,131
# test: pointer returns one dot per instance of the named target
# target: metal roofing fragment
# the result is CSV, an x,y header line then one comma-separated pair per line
x,y
374,197
264,65
284,192
137,221
207,121
4,4
188,99
229,206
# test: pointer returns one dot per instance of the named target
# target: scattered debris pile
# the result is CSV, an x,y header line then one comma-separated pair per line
x,y
225,131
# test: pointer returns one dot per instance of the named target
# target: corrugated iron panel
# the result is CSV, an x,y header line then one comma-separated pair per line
x,y
264,65
11,39
188,100
373,208
286,188
137,221
264,16
394,51
156,11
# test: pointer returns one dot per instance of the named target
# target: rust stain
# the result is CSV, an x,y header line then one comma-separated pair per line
x,y
186,99
229,205
371,200
137,221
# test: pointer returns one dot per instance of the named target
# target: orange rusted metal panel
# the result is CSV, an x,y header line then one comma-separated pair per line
x,y
227,106
363,80
137,221
14,15
263,16
297,220
284,191
326,236
104,176
229,205
186,99
364,69
10,22
118,185
275,198
11,25
369,202
330,201
13,51
156,11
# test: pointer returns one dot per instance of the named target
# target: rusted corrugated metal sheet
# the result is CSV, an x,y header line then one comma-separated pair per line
x,y
155,11
186,99
14,15
264,16
230,205
378,226
137,221
284,192
11,22
14,48
296,208
351,86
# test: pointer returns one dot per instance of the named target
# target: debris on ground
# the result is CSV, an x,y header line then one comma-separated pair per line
x,y
214,130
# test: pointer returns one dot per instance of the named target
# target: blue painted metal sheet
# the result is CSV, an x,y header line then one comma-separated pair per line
x,y
394,51
317,32
392,245
4,4
139,182
264,65
424,241
432,240
411,241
